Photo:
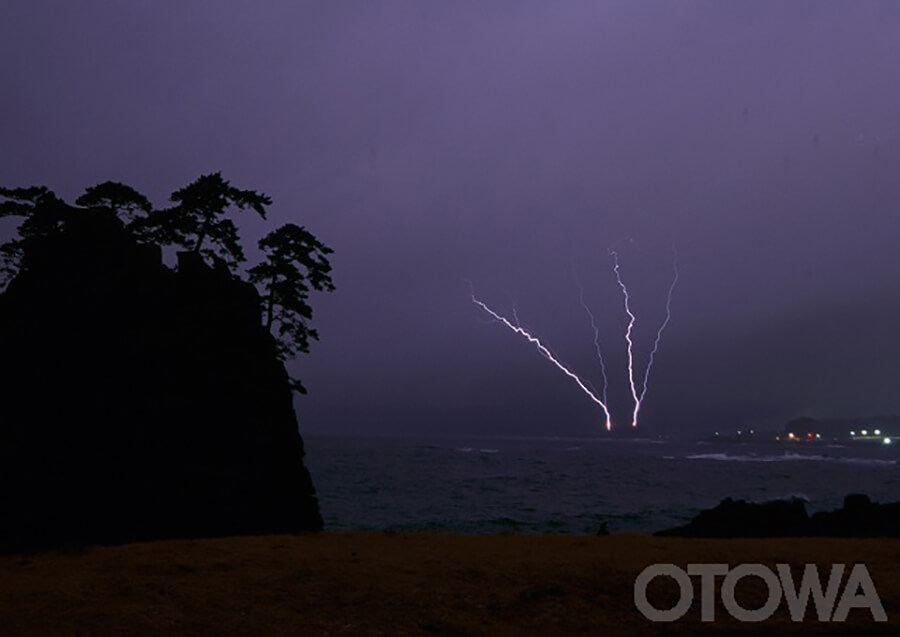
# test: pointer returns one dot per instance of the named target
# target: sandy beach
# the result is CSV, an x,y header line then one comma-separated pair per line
x,y
370,583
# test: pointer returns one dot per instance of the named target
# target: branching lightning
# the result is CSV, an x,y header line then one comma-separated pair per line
x,y
638,390
548,355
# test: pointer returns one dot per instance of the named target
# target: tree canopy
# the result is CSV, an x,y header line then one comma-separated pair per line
x,y
295,261
124,200
42,213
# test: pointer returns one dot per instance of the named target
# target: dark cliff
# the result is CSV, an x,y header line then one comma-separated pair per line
x,y
140,402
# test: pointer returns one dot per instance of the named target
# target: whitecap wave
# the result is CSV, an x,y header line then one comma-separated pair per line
x,y
789,457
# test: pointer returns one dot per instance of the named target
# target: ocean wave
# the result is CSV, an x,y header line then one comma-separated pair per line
x,y
795,495
786,457
505,521
870,461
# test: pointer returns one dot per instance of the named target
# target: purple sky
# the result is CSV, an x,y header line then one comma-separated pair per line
x,y
431,143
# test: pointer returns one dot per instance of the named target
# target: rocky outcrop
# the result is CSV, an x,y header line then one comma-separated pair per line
x,y
138,401
738,518
859,517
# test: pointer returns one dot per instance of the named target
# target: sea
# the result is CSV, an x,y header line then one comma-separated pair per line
x,y
576,485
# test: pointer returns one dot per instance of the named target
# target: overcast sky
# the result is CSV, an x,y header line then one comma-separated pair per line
x,y
436,143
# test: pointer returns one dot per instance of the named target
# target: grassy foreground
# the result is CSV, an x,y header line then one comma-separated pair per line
x,y
369,583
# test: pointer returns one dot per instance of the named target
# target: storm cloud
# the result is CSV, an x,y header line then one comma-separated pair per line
x,y
433,144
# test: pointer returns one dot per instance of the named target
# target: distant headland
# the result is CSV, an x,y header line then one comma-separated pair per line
x,y
883,430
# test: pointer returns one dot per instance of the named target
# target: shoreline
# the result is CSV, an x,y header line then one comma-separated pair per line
x,y
422,582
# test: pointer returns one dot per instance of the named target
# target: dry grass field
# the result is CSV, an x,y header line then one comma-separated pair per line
x,y
371,583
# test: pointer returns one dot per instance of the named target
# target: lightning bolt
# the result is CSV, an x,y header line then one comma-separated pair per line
x,y
660,330
639,398
548,355
596,336
631,320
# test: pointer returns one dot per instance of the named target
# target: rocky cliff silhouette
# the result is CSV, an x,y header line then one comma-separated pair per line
x,y
138,401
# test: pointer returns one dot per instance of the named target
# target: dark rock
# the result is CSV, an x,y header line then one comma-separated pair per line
x,y
140,402
859,517
738,518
